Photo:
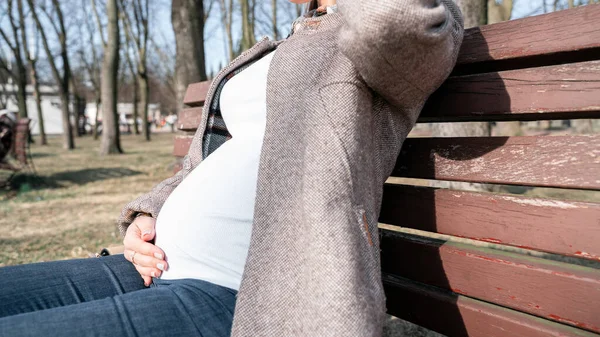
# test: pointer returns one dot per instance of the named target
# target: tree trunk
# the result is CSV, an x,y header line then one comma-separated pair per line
x,y
474,12
98,101
248,38
110,120
136,111
38,102
61,81
582,126
144,91
274,20
187,17
21,80
68,141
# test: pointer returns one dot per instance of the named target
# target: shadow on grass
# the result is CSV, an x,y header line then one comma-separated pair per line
x,y
27,182
42,155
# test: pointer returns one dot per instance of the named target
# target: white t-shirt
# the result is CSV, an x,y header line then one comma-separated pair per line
x,y
204,226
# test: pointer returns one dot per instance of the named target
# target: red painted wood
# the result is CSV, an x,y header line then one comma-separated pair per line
x,y
189,119
555,92
562,161
459,316
182,145
553,290
196,94
568,30
548,225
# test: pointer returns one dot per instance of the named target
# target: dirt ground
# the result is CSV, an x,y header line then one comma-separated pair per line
x,y
69,209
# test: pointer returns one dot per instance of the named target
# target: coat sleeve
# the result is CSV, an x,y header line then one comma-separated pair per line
x,y
152,202
403,49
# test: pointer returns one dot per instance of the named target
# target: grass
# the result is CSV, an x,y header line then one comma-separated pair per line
x,y
69,209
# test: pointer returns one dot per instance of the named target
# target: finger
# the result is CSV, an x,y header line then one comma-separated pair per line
x,y
147,280
131,242
147,272
145,260
146,226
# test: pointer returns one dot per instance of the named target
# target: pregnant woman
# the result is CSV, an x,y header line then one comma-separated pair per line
x,y
270,228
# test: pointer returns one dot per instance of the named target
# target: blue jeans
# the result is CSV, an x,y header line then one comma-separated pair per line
x,y
106,297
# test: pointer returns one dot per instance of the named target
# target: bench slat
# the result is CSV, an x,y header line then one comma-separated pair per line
x,y
562,227
195,94
553,290
189,119
182,145
459,316
556,92
561,161
563,31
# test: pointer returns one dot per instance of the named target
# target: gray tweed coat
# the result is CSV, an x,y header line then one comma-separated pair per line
x,y
343,92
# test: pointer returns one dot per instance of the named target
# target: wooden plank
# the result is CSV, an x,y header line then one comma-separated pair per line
x,y
459,316
182,145
189,119
562,227
558,291
561,161
573,30
556,92
195,94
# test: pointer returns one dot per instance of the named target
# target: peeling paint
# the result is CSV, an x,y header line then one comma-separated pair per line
x,y
541,202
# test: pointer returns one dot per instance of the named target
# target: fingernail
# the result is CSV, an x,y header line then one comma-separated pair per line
x,y
160,266
158,256
153,274
146,232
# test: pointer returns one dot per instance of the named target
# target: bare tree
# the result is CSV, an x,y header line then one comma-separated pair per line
x,y
19,75
188,17
92,63
227,22
32,61
62,80
132,70
137,30
274,20
111,142
248,37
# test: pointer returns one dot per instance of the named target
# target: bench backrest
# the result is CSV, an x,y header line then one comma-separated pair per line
x,y
491,264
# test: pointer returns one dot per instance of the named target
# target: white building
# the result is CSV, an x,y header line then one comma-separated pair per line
x,y
51,105
125,113
51,109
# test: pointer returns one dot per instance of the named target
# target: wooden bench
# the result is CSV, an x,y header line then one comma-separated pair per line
x,y
491,264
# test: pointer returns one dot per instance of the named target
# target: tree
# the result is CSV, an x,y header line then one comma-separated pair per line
x,y
188,17
111,142
274,20
32,62
137,30
248,37
92,63
19,75
62,80
227,22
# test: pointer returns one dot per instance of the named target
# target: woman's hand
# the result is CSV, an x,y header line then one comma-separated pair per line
x,y
148,259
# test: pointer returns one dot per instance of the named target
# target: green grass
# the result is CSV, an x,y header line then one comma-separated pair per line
x,y
70,208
